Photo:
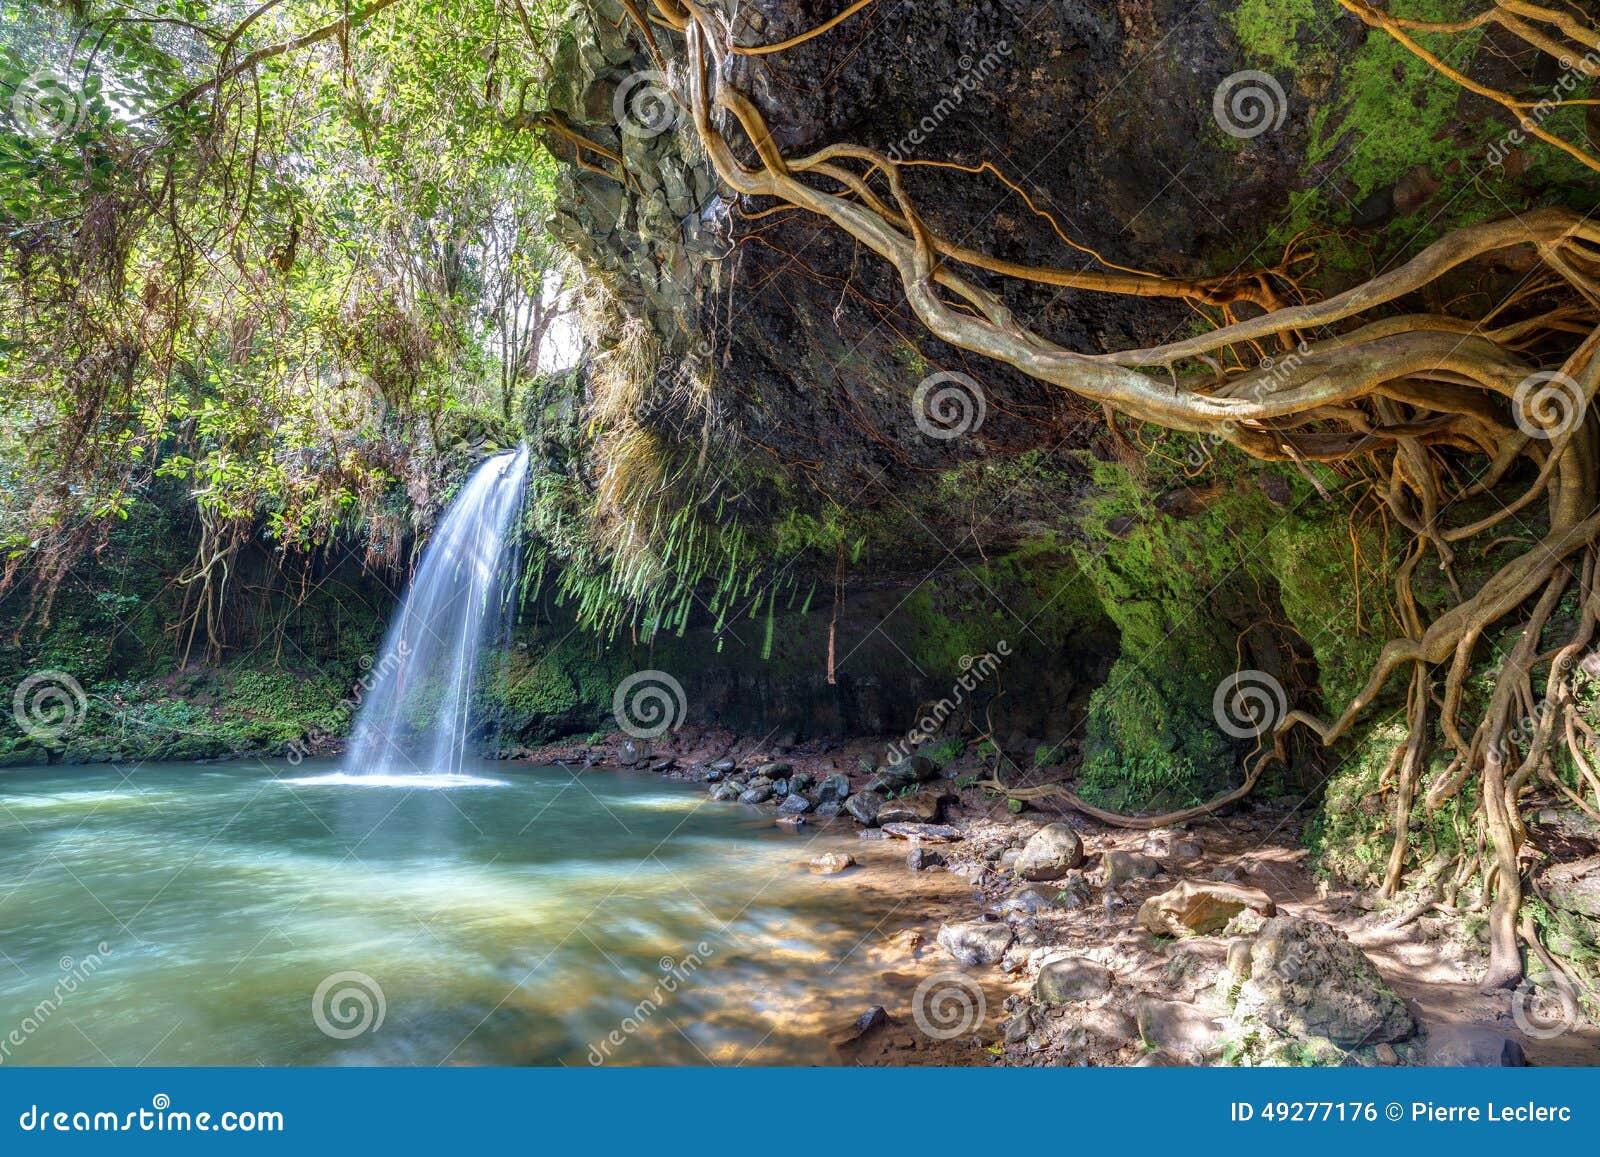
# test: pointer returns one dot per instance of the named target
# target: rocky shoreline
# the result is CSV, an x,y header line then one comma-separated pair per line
x,y
1080,944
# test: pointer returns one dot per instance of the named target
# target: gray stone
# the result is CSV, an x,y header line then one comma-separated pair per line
x,y
1186,1030
920,859
929,833
756,795
724,766
975,941
1066,979
1574,887
828,809
774,770
1029,901
832,863
1121,867
917,808
1308,980
795,803
1200,907
834,787
864,807
725,792
1051,853
1108,1025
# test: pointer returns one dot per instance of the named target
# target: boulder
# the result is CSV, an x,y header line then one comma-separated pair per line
x,y
1574,887
920,807
833,788
975,941
864,807
1184,1030
828,809
1110,1026
1029,902
928,833
832,863
920,859
775,770
1308,980
1200,907
724,766
1121,867
725,792
1051,853
1065,979
795,803
756,794
1472,1046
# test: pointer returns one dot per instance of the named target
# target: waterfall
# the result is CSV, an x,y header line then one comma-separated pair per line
x,y
415,719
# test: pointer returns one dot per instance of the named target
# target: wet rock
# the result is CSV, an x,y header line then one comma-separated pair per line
x,y
835,788
724,766
664,765
756,795
1121,867
1472,1046
775,770
713,774
864,807
1308,980
725,792
1067,979
929,833
801,780
1199,907
1185,1030
920,859
795,803
975,941
631,753
920,807
1051,853
913,769
832,863
828,809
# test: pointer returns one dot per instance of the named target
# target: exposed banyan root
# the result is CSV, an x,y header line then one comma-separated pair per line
x,y
1404,391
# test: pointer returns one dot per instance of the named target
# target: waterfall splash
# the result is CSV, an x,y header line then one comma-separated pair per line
x,y
414,723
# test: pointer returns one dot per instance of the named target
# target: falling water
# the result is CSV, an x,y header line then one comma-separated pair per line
x,y
415,720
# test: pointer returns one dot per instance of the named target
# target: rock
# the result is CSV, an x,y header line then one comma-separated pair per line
x,y
914,769
713,775
1075,891
664,765
1186,1030
920,859
1159,844
867,762
1384,1054
862,1025
1188,850
1574,887
1159,1059
725,792
774,770
832,863
800,780
631,753
1052,852
780,788
1066,979
1307,979
795,803
792,823
724,766
870,834
756,795
1108,1025
1120,867
1200,906
828,809
833,788
1472,1046
918,808
929,833
864,807
975,941
1029,901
